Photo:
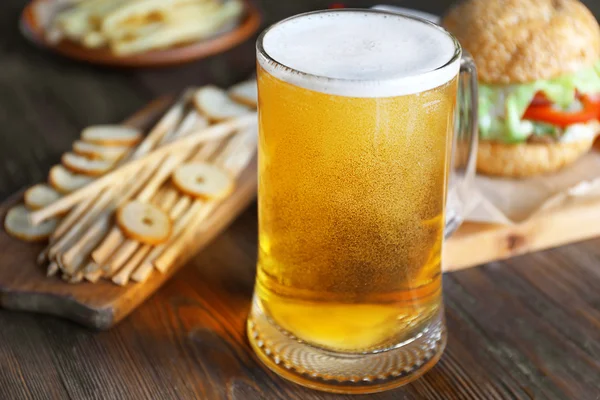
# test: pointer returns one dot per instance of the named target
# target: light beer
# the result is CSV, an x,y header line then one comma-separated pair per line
x,y
354,153
351,212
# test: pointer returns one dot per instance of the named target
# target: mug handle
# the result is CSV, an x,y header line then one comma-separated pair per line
x,y
464,146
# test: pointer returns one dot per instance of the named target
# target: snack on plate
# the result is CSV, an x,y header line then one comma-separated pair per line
x,y
131,204
203,181
18,224
65,181
99,151
39,196
245,92
216,105
144,222
538,64
84,165
135,26
111,135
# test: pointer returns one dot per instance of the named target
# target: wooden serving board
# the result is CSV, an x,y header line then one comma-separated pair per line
x,y
477,243
24,285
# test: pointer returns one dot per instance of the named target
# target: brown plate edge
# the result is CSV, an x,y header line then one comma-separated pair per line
x,y
168,57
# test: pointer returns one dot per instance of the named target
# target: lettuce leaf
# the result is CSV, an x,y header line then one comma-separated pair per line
x,y
501,108
541,129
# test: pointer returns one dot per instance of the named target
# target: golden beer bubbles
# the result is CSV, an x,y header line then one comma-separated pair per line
x,y
351,212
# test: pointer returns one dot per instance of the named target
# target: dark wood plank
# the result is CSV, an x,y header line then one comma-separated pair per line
x,y
527,340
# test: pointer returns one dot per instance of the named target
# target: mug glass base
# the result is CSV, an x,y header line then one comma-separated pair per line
x,y
349,373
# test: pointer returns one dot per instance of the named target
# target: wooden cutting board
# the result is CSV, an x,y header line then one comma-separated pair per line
x,y
25,287
477,243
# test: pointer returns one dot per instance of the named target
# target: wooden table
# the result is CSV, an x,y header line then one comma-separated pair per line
x,y
524,328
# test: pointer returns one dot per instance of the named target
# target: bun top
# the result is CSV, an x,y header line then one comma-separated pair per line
x,y
516,41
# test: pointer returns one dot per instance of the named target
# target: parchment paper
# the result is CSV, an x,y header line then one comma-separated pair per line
x,y
510,201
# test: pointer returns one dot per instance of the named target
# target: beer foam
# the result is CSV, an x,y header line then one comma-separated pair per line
x,y
357,53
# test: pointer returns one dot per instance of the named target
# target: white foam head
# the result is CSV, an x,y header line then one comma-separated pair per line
x,y
359,53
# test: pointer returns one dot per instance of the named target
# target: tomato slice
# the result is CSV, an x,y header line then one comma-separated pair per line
x,y
545,113
540,99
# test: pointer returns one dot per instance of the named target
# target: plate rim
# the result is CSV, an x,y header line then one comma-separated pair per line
x,y
249,25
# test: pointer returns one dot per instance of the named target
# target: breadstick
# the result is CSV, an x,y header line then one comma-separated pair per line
x,y
71,218
76,278
90,267
211,133
75,215
207,151
93,276
120,256
167,122
115,239
52,269
240,156
79,228
168,199
171,251
245,140
165,125
42,258
131,249
161,175
192,122
101,254
159,133
129,246
133,187
122,277
79,252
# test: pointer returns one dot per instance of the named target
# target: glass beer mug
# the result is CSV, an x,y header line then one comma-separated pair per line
x,y
357,114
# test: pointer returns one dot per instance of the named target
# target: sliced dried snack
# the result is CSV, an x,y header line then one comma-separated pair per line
x,y
187,23
18,225
140,12
245,92
111,135
98,151
39,196
84,165
216,105
144,222
202,180
65,181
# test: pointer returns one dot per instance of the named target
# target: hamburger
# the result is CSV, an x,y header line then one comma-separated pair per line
x,y
538,67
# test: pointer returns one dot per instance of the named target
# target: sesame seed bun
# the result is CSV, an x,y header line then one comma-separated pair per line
x,y
527,159
516,41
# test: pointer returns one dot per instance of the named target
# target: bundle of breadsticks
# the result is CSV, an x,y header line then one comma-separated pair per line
x,y
122,205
